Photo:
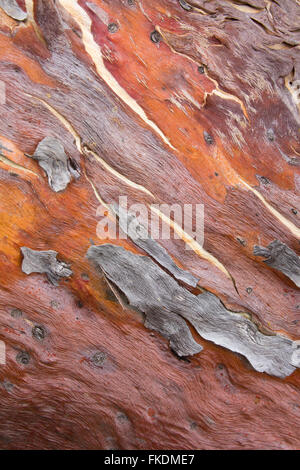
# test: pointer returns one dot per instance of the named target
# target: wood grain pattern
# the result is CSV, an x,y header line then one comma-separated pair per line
x,y
205,111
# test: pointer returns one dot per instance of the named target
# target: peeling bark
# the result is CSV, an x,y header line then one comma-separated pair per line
x,y
140,236
280,256
51,157
152,291
44,262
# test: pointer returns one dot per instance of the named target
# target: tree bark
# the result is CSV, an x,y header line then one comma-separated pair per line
x,y
118,342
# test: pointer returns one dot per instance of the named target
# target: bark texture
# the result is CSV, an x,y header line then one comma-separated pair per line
x,y
164,101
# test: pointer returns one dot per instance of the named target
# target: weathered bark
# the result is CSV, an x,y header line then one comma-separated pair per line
x,y
162,101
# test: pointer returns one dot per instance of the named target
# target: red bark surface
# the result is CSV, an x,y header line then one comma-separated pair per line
x,y
142,108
